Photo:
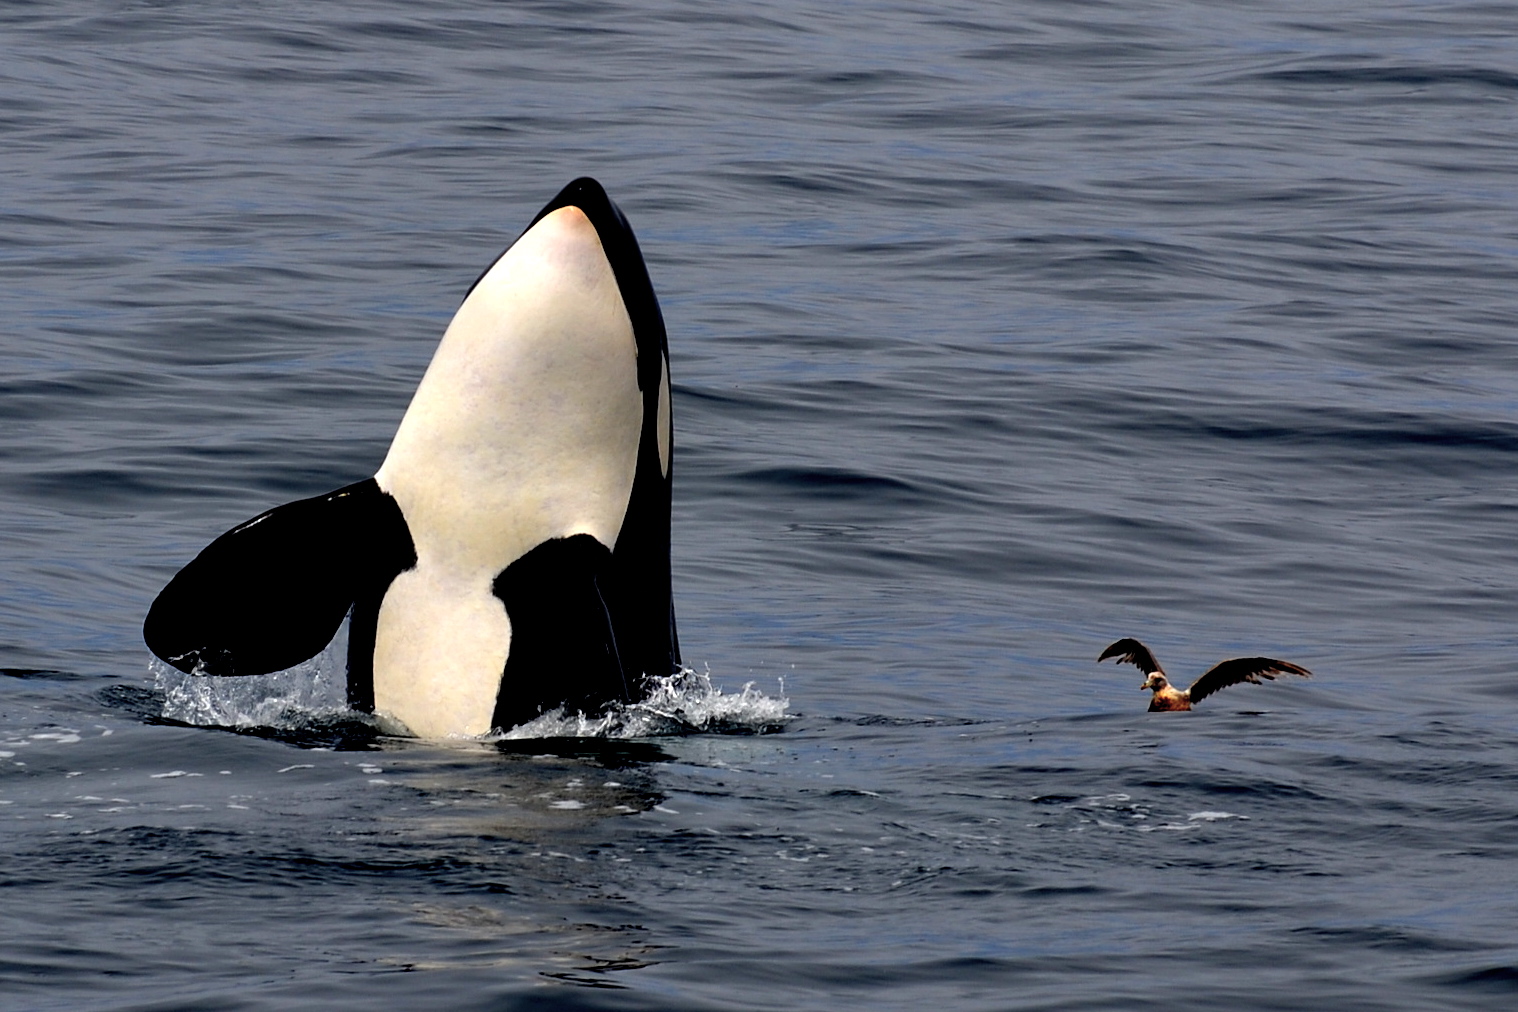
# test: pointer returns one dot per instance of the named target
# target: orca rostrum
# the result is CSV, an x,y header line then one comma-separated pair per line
x,y
511,554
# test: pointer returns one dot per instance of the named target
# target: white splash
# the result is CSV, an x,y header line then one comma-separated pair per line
x,y
682,703
312,691
315,692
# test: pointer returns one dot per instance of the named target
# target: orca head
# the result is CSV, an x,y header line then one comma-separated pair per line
x,y
511,555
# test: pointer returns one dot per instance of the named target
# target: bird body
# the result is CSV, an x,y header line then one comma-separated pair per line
x,y
1219,676
1166,696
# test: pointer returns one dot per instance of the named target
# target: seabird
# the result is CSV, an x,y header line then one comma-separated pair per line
x,y
1221,675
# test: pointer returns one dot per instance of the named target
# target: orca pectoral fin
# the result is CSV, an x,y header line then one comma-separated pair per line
x,y
271,593
563,648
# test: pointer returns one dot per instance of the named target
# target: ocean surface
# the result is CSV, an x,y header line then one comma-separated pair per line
x,y
998,331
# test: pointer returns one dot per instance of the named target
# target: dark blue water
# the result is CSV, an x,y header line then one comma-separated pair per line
x,y
998,331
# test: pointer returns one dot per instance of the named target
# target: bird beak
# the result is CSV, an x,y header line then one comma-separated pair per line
x,y
1143,687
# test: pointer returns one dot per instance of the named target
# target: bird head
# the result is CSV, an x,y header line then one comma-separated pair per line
x,y
1155,681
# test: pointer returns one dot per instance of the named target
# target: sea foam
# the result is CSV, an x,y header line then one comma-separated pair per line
x,y
314,692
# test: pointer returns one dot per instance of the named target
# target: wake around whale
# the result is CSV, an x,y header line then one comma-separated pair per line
x,y
511,554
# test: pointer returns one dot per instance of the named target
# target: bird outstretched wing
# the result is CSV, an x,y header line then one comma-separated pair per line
x,y
1130,651
1241,669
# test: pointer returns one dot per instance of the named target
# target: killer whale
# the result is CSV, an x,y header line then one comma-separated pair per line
x,y
511,554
